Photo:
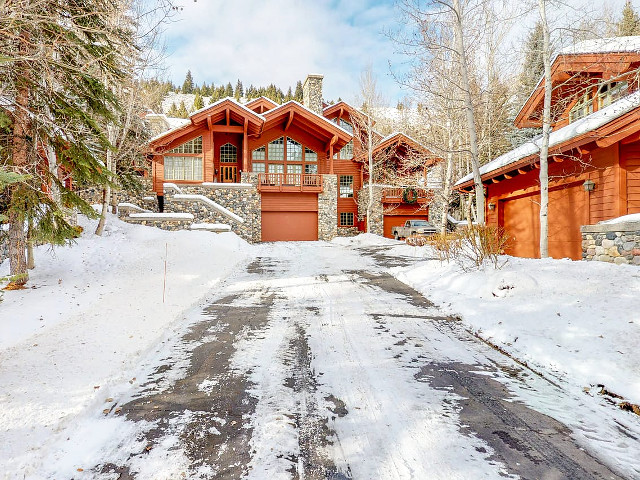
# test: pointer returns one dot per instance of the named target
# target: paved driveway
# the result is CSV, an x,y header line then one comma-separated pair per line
x,y
314,362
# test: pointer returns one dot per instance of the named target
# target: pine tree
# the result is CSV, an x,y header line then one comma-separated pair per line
x,y
533,65
182,111
198,103
54,75
173,110
187,86
289,95
298,95
629,24
239,93
228,91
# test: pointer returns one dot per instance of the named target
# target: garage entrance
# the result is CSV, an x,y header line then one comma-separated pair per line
x,y
568,210
289,216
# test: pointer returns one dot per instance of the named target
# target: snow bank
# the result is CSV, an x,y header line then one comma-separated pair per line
x,y
92,311
577,321
633,217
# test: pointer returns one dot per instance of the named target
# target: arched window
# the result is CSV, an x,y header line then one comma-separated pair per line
x,y
228,153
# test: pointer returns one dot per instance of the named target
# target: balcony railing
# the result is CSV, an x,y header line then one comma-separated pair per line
x,y
289,182
406,195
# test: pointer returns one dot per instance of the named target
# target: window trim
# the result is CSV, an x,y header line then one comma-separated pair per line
x,y
342,184
346,215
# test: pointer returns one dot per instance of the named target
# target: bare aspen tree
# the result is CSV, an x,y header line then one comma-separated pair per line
x,y
546,131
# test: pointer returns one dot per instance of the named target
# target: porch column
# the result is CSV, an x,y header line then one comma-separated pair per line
x,y
245,147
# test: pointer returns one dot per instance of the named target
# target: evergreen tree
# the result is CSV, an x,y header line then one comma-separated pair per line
x,y
187,86
57,59
173,110
239,93
298,95
182,111
629,24
198,103
228,91
533,66
289,95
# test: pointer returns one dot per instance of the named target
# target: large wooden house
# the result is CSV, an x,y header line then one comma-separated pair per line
x,y
594,154
299,166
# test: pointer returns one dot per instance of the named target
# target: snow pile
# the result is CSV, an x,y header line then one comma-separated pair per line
x,y
633,217
93,310
577,321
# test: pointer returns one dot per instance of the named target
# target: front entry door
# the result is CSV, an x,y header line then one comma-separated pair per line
x,y
229,174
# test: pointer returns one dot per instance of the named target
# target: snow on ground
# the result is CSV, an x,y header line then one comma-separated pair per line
x,y
578,321
92,311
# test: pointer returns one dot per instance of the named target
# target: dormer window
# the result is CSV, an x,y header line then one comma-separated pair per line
x,y
582,108
610,92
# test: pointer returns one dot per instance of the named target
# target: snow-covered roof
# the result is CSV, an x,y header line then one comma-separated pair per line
x,y
394,134
603,45
232,100
175,124
584,125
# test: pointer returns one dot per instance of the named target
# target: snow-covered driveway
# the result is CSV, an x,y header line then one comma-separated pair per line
x,y
313,362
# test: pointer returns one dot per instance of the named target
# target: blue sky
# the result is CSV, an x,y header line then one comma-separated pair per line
x,y
281,41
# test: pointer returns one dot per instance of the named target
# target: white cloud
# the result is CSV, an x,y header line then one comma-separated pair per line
x,y
281,41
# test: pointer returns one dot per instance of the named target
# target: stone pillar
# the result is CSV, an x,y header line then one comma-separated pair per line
x,y
312,93
328,208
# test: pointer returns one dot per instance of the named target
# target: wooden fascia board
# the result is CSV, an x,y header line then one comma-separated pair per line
x,y
619,129
322,130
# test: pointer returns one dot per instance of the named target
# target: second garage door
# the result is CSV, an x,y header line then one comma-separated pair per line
x,y
289,217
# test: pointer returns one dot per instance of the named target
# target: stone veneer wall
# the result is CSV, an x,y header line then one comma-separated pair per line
x,y
244,201
377,213
93,195
328,208
171,224
312,93
617,243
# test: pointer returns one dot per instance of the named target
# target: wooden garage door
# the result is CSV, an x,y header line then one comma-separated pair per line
x,y
390,221
289,217
568,210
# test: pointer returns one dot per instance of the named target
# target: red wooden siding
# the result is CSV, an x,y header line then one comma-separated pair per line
x,y
630,156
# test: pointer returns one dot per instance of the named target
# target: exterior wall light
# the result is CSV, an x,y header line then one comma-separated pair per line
x,y
492,206
588,185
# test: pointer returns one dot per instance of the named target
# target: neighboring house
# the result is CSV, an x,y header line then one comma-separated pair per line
x,y
594,151
294,164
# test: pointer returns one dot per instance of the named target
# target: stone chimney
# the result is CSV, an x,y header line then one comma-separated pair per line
x,y
312,93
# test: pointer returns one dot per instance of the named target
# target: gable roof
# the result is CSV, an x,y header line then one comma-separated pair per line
x,y
606,55
310,120
608,125
264,102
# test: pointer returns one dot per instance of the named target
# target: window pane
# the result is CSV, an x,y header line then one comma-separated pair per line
x,y
192,146
310,169
183,168
346,186
258,167
276,149
228,153
346,125
310,155
347,151
294,151
258,153
276,168
346,219
294,168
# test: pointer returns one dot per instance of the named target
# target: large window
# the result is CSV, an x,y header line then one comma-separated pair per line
x,y
276,150
285,155
610,92
346,186
344,124
228,153
582,108
192,146
347,151
346,219
182,168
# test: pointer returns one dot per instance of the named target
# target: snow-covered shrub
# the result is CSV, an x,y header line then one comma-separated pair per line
x,y
470,246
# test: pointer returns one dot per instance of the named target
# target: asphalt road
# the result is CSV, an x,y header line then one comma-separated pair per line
x,y
315,363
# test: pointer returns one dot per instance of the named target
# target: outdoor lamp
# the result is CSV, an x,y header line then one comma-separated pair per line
x,y
588,185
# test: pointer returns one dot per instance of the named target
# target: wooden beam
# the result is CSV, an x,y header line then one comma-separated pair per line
x,y
631,138
227,129
557,159
209,123
536,166
495,180
245,147
289,121
227,114
508,176
331,144
522,171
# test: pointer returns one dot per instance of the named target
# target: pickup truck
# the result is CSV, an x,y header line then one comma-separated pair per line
x,y
413,227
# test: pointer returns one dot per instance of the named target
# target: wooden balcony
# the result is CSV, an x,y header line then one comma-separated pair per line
x,y
396,195
289,182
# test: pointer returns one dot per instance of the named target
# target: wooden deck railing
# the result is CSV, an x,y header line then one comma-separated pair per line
x,y
397,194
289,182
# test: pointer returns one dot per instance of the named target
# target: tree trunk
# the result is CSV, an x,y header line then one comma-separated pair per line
x,y
546,129
370,158
446,192
106,191
19,160
31,261
468,107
